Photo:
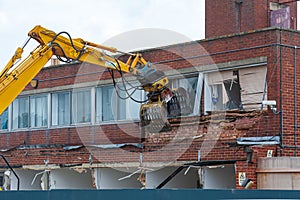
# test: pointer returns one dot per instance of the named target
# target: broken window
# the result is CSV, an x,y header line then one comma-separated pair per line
x,y
233,91
240,89
193,87
253,87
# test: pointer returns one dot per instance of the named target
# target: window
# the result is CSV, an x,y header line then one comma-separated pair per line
x,y
81,106
21,112
241,89
60,108
104,101
133,107
110,106
224,91
253,87
30,111
193,87
38,111
4,120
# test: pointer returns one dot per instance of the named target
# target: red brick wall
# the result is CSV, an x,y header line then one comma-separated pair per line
x,y
234,16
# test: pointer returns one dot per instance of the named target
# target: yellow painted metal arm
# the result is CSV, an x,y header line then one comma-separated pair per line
x,y
79,49
14,82
14,78
85,51
10,63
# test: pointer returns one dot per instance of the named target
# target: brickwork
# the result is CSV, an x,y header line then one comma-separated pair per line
x,y
215,138
234,16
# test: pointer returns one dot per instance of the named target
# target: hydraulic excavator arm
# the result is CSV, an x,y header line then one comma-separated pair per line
x,y
15,76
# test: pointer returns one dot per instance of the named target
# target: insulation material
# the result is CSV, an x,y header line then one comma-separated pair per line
x,y
6,180
215,78
215,93
252,81
45,181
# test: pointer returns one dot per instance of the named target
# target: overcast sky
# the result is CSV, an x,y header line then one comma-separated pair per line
x,y
96,20
101,20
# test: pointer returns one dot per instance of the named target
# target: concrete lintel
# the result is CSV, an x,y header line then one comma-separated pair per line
x,y
40,167
135,164
251,62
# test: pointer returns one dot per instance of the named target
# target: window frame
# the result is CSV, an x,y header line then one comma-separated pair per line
x,y
250,94
74,120
57,116
196,107
45,95
6,111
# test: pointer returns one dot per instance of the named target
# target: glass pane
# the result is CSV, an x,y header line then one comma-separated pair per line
x,y
133,109
4,119
120,110
190,86
61,108
107,103
81,106
54,109
98,104
20,112
192,89
38,111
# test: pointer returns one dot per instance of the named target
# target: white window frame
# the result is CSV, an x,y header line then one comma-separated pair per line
x,y
37,110
251,94
74,119
15,122
196,109
56,111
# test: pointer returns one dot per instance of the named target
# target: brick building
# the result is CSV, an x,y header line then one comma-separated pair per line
x,y
73,132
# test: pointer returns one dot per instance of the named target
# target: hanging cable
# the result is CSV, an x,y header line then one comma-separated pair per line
x,y
129,95
70,38
68,60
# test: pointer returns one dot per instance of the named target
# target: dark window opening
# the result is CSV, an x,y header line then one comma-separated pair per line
x,y
233,90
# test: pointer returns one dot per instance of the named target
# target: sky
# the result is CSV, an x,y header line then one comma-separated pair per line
x,y
97,20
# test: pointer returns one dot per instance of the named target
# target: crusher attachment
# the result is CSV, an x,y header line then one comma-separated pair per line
x,y
170,103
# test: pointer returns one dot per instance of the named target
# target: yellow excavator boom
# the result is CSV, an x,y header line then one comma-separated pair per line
x,y
15,76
